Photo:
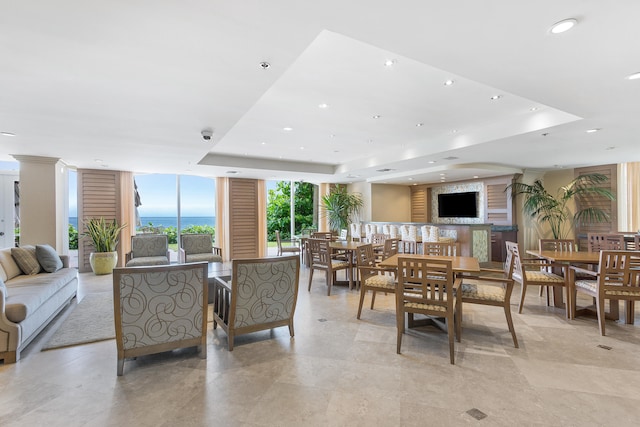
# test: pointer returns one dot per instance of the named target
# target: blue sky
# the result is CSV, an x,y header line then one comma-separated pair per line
x,y
158,195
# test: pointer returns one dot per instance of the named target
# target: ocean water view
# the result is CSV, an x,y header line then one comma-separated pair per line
x,y
166,221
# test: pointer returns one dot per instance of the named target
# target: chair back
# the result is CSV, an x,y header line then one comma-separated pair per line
x,y
390,248
605,242
617,271
393,231
196,243
356,230
440,248
343,234
149,245
426,283
278,239
182,291
321,235
365,257
409,232
377,238
517,270
407,246
558,245
320,253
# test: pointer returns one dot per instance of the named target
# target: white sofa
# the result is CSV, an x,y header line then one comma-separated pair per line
x,y
28,302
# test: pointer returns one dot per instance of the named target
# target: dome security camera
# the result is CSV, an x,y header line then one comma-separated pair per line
x,y
207,134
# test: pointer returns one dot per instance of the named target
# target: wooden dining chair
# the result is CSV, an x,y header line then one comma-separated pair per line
x,y
372,277
327,235
390,247
605,242
321,258
558,245
407,246
440,248
535,272
427,287
617,278
491,287
282,249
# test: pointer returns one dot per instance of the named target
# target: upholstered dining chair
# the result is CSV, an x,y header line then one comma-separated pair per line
x,y
159,308
286,249
321,258
617,278
427,287
491,287
148,249
198,247
260,294
372,277
535,272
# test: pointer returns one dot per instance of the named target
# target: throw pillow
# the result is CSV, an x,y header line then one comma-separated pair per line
x,y
25,257
48,258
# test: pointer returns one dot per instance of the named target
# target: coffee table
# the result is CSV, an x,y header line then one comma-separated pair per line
x,y
217,270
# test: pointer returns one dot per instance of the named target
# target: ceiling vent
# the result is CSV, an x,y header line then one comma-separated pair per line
x,y
451,158
385,170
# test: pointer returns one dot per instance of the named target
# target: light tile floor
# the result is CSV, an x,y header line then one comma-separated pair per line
x,y
340,371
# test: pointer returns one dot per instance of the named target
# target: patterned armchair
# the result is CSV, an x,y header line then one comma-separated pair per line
x,y
148,249
260,294
197,248
160,308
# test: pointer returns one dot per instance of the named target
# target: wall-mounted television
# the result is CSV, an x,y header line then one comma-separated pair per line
x,y
458,205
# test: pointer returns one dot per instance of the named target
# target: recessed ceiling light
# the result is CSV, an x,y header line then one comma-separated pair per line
x,y
287,129
98,160
336,151
410,179
448,82
475,176
263,143
419,125
634,76
494,97
454,131
431,161
333,135
610,148
415,183
323,105
7,134
594,130
377,116
441,174
389,62
302,148
534,109
562,26
264,65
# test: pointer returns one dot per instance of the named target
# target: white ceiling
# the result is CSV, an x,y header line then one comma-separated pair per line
x,y
133,83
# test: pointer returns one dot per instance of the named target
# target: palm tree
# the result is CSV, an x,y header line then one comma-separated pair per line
x,y
341,207
546,208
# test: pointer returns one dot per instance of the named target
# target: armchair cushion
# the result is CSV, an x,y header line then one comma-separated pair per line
x,y
208,257
26,259
149,245
196,243
48,258
148,260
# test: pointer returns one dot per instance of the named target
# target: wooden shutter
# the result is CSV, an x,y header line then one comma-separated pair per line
x,y
243,218
499,207
609,206
419,204
97,197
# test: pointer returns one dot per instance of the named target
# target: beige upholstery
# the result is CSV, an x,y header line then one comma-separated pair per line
x,y
160,308
372,277
427,287
148,249
282,249
198,248
261,294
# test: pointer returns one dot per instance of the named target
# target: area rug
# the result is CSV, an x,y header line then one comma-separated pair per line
x,y
90,321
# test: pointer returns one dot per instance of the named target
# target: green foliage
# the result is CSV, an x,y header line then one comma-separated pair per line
x,y
172,232
279,209
104,234
341,207
73,237
553,210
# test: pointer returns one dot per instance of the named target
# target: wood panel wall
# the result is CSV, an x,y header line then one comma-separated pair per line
x,y
419,206
243,218
499,205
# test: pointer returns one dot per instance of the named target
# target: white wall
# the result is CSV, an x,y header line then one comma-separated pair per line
x,y
364,188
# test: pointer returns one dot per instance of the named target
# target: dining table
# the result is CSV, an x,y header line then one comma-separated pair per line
x,y
459,264
349,248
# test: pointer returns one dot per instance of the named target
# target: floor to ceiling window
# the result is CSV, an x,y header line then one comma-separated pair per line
x,y
168,203
279,203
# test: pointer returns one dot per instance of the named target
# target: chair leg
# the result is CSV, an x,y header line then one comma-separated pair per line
x,y
458,319
330,279
230,340
119,369
450,332
523,291
363,290
291,328
507,313
310,278
601,313
373,299
400,327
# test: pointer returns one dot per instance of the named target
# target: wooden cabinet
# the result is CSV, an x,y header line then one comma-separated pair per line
x,y
498,248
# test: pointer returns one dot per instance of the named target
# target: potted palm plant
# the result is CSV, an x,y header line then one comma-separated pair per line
x,y
105,236
341,207
554,210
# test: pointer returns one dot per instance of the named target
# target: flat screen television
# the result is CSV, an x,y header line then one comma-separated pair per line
x,y
458,205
